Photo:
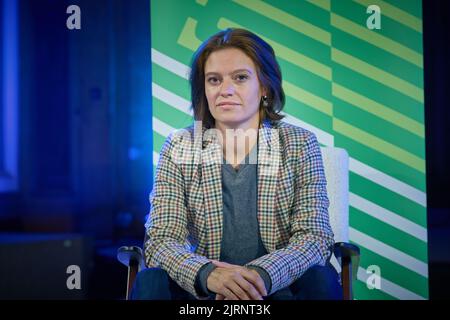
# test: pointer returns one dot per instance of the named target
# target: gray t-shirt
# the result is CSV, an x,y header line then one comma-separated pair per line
x,y
241,240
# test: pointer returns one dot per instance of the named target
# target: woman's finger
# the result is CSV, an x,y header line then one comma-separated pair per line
x,y
222,264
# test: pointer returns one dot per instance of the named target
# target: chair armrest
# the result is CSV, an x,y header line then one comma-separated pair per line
x,y
133,258
345,249
348,256
344,252
131,255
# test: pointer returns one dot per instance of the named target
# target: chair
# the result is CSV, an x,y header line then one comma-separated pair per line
x,y
345,255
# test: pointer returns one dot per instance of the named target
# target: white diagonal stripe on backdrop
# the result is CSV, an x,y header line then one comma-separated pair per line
x,y
171,99
389,287
162,128
388,182
388,217
170,64
323,137
389,252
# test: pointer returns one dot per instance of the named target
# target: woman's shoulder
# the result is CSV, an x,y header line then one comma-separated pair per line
x,y
292,133
177,142
180,135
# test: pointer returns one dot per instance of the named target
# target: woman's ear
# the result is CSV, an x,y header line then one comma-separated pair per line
x,y
264,92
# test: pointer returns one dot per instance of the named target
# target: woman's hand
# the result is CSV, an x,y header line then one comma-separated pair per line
x,y
233,282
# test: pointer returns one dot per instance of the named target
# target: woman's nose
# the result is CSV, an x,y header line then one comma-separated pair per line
x,y
227,88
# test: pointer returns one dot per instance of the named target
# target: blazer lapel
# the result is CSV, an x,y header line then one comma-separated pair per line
x,y
211,157
269,162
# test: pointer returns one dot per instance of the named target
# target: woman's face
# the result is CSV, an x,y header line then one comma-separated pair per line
x,y
232,88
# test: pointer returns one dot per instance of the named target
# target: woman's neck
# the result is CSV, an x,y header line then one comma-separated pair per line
x,y
237,141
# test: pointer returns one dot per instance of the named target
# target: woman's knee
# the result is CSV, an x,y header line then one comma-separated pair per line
x,y
151,284
152,274
318,283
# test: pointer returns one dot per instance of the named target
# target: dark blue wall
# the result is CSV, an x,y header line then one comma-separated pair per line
x,y
85,107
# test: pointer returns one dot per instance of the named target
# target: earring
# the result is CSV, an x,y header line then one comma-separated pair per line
x,y
265,102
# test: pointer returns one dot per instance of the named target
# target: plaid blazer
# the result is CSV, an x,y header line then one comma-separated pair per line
x,y
184,228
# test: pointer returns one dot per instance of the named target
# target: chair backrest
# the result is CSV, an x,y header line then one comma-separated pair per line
x,y
335,161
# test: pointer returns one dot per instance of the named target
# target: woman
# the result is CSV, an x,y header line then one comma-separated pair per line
x,y
252,226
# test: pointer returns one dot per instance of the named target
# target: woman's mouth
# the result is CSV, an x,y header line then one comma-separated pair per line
x,y
227,105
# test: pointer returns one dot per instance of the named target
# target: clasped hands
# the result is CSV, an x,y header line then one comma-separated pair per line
x,y
233,282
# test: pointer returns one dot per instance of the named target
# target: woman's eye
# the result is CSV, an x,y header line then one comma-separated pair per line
x,y
213,80
242,77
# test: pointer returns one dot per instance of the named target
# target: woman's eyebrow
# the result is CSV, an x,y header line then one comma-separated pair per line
x,y
233,72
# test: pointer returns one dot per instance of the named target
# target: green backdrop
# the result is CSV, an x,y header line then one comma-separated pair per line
x,y
355,88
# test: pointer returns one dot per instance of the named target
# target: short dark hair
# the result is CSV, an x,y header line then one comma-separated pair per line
x,y
267,68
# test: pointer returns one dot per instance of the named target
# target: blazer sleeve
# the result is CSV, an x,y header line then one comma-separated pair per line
x,y
167,245
311,238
